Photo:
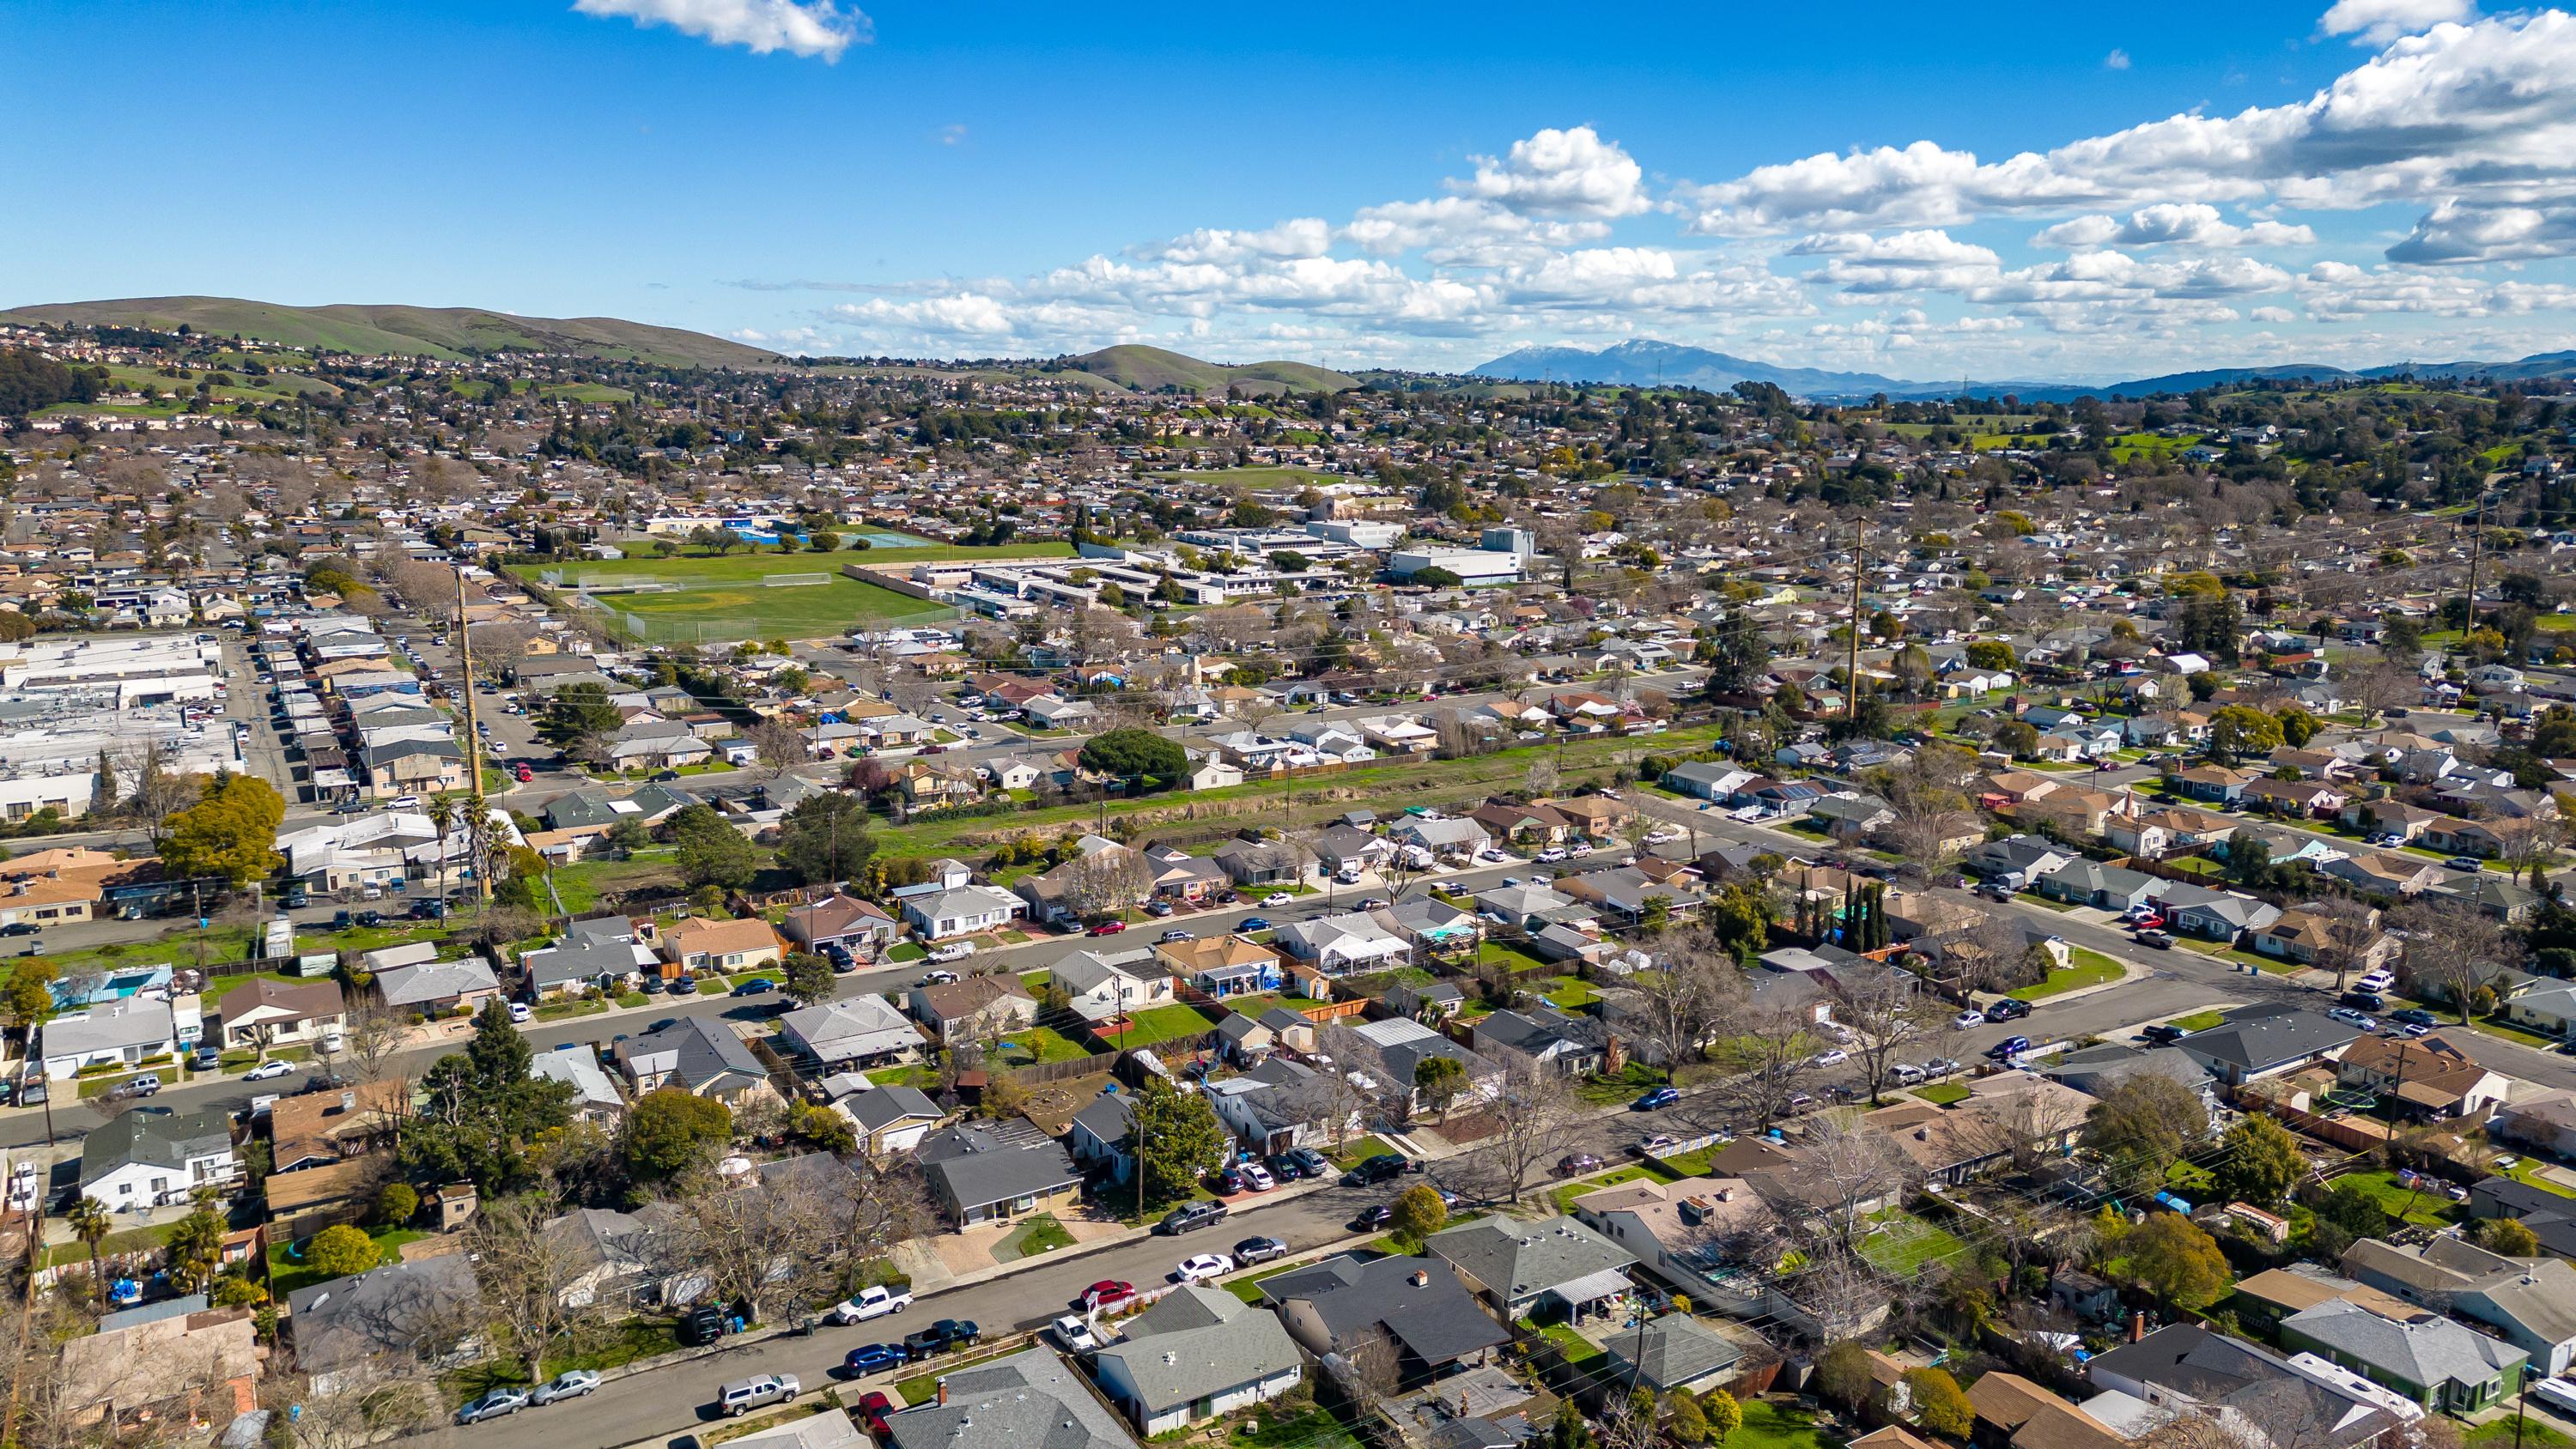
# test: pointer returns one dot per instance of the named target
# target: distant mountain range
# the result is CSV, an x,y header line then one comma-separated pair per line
x,y
444,332
1646,364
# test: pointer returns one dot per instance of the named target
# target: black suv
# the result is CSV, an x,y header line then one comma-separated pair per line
x,y
940,1337
702,1326
1375,1170
1190,1216
2008,1009
2363,1001
2162,1033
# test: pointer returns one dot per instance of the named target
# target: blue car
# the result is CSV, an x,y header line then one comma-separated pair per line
x,y
1660,1097
2011,1046
869,1358
755,986
1253,923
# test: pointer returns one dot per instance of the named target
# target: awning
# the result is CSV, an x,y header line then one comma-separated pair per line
x,y
1608,1283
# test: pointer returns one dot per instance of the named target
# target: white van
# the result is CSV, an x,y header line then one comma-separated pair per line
x,y
2558,1394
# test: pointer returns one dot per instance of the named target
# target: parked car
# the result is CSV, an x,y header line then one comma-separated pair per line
x,y
142,1086
940,1337
874,1406
1659,1097
1228,1182
1575,1164
1967,1019
2362,1001
2011,1008
755,986
1279,898
2163,1033
570,1384
758,1392
2158,939
267,1071
2414,1016
2011,1046
2465,862
1202,1266
1107,928
870,1303
936,978
701,1326
1939,1067
1833,1058
1107,1293
2350,1017
1312,1161
1256,1177
1376,1169
1250,924
1074,1334
1904,1074
521,1013
1175,934
1189,1217
1285,1167
1259,1250
492,1405
873,1358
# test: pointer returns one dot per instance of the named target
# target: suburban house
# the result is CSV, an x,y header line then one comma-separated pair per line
x,y
703,947
973,1007
2303,933
698,1056
2184,1368
603,952
862,1029
1676,1351
890,1119
1104,983
2430,1078
2215,915
961,910
1221,966
1258,862
439,988
2094,883
2266,1039
983,1172
400,1310
269,1013
1197,1353
1676,1230
848,922
121,1033
152,1156
1424,1312
1553,1270
1030,1399
1339,945
2530,1302
2426,1357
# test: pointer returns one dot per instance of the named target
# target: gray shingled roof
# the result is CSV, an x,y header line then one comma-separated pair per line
x,y
1200,1341
1027,1401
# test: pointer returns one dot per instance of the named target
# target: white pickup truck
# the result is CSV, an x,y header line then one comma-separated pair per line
x,y
872,1303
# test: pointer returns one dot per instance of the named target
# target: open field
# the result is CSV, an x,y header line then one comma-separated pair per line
x,y
1265,477
725,598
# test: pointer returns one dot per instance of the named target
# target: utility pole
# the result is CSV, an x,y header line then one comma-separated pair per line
x,y
1851,672
2477,539
473,751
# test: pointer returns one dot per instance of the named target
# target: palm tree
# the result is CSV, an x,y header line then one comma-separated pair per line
x,y
442,818
91,1224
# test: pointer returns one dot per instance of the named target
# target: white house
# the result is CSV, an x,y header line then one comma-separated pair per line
x,y
1343,943
961,911
121,1033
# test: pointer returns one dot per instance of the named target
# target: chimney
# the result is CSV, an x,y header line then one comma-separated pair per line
x,y
943,1388
2138,1326
1420,1279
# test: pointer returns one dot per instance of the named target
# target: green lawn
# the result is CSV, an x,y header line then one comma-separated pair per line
x,y
1942,1094
1495,953
1036,1044
1564,1196
1248,1287
1040,1234
1902,1243
1579,1351
1772,1426
285,1274
1567,992
2199,1020
2499,1434
918,1074
725,596
1314,1428
582,883
124,1240
2086,968
1626,1085
1361,1149
1162,1023
2430,1207
628,1340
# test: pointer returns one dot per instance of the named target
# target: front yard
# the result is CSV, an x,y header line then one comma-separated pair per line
x,y
2084,968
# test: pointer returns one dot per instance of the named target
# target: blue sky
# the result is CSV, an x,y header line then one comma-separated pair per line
x,y
2048,191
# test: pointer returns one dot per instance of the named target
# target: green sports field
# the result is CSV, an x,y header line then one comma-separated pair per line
x,y
723,599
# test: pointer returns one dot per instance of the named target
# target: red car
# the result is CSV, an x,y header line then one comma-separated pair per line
x,y
1108,928
873,1408
1107,1293
523,774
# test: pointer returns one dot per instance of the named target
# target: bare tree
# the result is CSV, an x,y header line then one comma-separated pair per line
x,y
778,743
1673,1008
2347,928
385,1397
1883,1010
1104,881
2452,951
1770,1055
768,1243
159,791
1844,1170
531,1278
369,1036
1535,1114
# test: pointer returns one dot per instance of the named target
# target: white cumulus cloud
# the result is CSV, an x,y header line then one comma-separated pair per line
x,y
1572,172
815,28
2381,21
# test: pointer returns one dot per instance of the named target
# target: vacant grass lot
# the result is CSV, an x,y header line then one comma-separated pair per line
x,y
1902,1243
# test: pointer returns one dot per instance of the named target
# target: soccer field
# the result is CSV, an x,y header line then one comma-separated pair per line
x,y
713,600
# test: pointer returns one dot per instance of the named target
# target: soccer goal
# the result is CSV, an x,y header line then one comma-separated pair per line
x,y
793,581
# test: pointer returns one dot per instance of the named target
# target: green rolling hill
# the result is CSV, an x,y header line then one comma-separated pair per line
x,y
447,332
1150,369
